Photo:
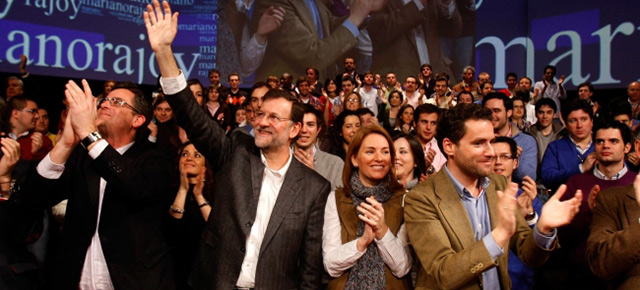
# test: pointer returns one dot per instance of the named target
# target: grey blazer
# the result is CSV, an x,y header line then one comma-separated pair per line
x,y
330,167
291,252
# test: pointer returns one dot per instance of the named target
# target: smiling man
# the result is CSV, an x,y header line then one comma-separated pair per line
x,y
265,226
466,251
306,150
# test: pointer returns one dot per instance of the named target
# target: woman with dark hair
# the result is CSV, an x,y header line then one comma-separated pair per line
x,y
333,106
164,127
409,163
404,120
189,211
364,241
341,133
216,109
352,102
389,115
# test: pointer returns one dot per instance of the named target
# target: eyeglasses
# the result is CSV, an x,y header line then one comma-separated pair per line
x,y
352,100
32,111
271,117
116,101
503,157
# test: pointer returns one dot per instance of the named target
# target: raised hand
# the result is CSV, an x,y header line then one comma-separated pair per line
x,y
365,239
592,196
304,157
507,205
636,188
431,154
82,108
10,156
561,80
200,179
589,162
162,26
153,128
556,213
270,21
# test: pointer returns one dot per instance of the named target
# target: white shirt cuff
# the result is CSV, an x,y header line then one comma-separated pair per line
x,y
152,139
49,170
171,86
98,148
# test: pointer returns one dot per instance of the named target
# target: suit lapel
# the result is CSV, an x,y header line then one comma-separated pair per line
x,y
452,209
290,189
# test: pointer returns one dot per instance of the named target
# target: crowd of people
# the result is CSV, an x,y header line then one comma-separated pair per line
x,y
359,182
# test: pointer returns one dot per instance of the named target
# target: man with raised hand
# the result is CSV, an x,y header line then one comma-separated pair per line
x,y
265,227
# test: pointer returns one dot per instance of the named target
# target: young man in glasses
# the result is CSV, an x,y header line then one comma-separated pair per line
x,y
24,115
117,192
265,228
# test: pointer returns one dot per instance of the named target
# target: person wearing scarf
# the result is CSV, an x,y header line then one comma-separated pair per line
x,y
365,245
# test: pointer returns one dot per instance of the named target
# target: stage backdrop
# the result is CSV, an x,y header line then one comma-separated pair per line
x,y
105,39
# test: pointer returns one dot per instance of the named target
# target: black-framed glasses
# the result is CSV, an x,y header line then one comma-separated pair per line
x,y
116,101
503,157
273,119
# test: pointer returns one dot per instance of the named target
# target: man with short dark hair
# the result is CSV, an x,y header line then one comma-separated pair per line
x,y
24,115
585,92
306,149
350,71
501,109
265,227
468,83
371,97
214,79
545,130
466,251
443,97
548,88
15,87
612,142
412,95
512,83
316,86
305,97
572,154
117,192
426,117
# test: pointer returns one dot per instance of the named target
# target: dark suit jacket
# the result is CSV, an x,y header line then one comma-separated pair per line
x,y
291,252
135,200
612,247
394,44
295,46
443,238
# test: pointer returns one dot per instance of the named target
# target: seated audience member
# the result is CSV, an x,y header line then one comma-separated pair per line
x,y
313,74
485,89
371,96
286,82
305,149
612,142
404,120
633,93
501,109
163,127
389,115
409,163
519,114
529,206
197,89
585,92
305,97
24,115
427,81
442,98
620,111
42,125
273,82
529,107
334,103
426,117
545,130
483,77
341,133
468,84
412,95
549,88
216,109
348,86
367,248
512,83
106,88
614,234
465,251
572,154
352,101
189,211
464,98
367,118
240,118
117,190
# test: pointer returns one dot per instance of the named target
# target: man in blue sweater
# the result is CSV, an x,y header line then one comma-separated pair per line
x,y
501,108
572,154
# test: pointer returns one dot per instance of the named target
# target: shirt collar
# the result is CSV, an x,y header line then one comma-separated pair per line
x,y
578,147
597,173
15,137
461,190
124,148
282,170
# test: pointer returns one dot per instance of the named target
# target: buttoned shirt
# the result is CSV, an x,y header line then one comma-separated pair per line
x,y
271,183
597,173
477,209
95,273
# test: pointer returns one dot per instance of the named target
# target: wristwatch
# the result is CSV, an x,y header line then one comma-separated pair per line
x,y
92,137
530,216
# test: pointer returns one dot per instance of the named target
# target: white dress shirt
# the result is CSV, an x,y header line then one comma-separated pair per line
x,y
271,183
339,257
95,274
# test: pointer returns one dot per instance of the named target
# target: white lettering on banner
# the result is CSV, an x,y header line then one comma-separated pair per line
x,y
574,54
52,46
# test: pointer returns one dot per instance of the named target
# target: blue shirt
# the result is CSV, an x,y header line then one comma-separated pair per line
x,y
478,213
